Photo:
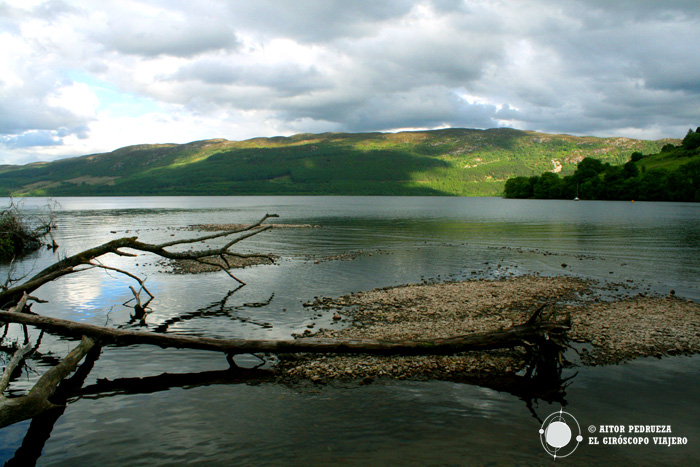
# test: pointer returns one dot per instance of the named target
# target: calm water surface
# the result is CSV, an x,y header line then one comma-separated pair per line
x,y
203,417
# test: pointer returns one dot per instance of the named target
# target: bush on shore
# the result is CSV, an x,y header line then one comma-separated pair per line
x,y
17,234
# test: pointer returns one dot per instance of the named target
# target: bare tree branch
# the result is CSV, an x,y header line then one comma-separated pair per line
x,y
513,336
12,295
224,233
17,357
220,266
126,273
37,401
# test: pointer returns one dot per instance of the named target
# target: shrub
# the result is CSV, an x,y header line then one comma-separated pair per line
x,y
691,140
17,237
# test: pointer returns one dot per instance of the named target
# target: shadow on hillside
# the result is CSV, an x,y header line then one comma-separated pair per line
x,y
408,163
308,169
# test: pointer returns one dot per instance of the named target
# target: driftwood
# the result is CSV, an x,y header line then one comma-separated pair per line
x,y
37,401
15,292
88,259
543,337
17,357
42,424
526,334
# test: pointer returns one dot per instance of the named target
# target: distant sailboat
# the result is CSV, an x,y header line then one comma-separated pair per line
x,y
577,198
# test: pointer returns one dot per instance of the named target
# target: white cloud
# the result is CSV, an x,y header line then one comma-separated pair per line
x,y
12,48
76,98
28,4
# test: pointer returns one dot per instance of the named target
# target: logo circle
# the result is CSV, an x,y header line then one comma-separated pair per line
x,y
557,434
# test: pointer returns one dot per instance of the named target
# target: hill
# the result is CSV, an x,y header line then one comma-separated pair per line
x,y
462,162
673,174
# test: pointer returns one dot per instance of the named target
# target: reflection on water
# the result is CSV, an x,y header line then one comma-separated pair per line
x,y
129,412
218,421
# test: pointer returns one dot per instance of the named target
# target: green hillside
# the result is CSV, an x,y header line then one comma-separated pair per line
x,y
459,162
671,175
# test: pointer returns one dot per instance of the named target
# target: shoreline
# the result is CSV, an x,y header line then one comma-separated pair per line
x,y
608,330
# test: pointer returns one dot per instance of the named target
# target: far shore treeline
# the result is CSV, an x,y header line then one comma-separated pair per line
x,y
671,175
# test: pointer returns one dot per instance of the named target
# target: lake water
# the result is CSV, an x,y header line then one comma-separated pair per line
x,y
204,416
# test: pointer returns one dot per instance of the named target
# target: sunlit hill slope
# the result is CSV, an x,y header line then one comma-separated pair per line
x,y
459,162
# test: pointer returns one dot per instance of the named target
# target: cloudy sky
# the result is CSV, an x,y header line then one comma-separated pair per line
x,y
79,77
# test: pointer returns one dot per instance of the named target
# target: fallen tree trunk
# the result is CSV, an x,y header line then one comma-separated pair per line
x,y
541,337
37,401
526,334
42,423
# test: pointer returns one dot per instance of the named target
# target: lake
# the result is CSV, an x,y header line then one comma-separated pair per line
x,y
203,416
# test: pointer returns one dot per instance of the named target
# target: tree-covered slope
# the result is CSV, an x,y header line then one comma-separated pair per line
x,y
673,174
439,162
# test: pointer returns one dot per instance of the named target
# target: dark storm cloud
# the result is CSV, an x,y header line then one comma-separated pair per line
x,y
316,20
399,74
32,139
428,107
655,51
424,108
148,37
452,57
641,9
284,79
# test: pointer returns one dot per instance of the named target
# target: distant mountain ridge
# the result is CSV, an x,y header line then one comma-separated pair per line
x,y
463,162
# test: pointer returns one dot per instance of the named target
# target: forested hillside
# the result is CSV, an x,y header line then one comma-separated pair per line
x,y
671,175
459,162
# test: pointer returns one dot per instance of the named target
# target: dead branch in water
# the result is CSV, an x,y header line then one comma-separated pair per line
x,y
538,334
543,339
17,357
527,334
37,401
16,296
87,259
